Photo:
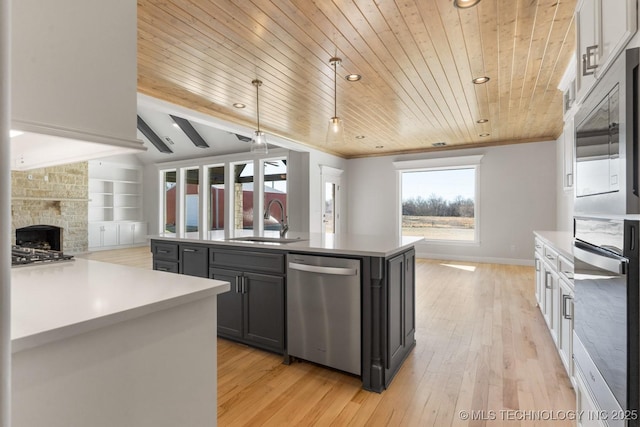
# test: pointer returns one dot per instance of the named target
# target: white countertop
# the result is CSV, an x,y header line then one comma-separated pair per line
x,y
58,300
562,241
336,244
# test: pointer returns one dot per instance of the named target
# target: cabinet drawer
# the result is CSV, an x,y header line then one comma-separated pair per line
x,y
565,268
171,267
165,251
247,261
550,255
539,246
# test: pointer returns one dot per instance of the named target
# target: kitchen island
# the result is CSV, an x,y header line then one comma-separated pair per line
x,y
103,345
254,312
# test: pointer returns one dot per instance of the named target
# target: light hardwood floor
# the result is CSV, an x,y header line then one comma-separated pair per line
x,y
482,345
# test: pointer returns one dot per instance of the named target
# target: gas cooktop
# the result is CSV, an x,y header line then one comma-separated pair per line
x,y
21,255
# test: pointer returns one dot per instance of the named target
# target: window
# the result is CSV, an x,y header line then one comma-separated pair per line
x,y
275,188
243,196
216,198
192,200
440,203
169,198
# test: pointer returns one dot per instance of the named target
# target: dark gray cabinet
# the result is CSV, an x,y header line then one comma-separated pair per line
x,y
165,256
400,311
253,310
183,258
194,260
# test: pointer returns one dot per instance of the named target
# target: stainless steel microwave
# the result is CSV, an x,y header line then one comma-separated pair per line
x,y
606,142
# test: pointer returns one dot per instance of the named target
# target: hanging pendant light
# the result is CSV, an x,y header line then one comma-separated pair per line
x,y
335,134
259,141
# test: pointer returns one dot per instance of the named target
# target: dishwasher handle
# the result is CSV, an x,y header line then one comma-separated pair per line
x,y
335,271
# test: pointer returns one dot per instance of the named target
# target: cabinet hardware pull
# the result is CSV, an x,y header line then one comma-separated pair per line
x,y
569,180
237,287
244,285
163,251
163,269
565,312
546,280
589,68
537,264
190,250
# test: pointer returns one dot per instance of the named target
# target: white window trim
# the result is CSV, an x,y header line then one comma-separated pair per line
x,y
443,163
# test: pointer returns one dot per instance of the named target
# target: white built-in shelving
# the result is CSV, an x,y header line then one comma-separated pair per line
x,y
115,205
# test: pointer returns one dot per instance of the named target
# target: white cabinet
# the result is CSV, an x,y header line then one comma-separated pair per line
x,y
115,205
105,234
587,32
554,294
132,233
586,408
568,142
603,29
565,325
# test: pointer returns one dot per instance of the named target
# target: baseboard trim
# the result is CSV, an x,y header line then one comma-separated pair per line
x,y
488,260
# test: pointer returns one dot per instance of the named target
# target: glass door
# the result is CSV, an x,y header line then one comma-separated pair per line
x,y
331,203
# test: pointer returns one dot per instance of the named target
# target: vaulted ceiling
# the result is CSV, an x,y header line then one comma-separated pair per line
x,y
417,59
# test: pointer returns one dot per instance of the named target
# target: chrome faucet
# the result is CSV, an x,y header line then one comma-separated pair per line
x,y
283,221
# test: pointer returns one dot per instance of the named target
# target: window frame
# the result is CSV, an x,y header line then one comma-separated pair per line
x,y
441,164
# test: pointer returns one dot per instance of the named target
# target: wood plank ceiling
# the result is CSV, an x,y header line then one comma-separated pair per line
x,y
417,59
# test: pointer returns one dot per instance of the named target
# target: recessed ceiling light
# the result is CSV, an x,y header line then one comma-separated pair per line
x,y
379,146
484,135
439,144
353,77
359,136
464,4
239,105
480,80
482,121
13,133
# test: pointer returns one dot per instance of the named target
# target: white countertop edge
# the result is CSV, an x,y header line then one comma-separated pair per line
x,y
34,340
303,246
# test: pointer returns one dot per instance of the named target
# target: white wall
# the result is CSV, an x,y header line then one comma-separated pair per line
x,y
517,196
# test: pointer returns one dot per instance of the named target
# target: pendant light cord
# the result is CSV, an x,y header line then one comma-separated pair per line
x,y
257,84
335,88
335,61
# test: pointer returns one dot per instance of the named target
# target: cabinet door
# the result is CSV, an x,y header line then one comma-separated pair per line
x,y
194,260
109,234
264,310
539,285
565,326
409,297
568,141
95,235
230,304
587,34
551,297
395,312
125,233
618,24
140,232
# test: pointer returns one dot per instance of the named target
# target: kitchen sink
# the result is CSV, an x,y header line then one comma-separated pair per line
x,y
267,239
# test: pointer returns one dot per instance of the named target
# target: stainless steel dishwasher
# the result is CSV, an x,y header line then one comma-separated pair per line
x,y
323,311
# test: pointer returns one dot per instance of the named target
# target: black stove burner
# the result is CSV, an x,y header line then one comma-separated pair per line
x,y
21,255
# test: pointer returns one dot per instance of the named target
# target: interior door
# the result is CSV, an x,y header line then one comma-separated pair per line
x,y
331,203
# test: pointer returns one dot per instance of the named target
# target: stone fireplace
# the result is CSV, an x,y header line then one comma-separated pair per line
x,y
55,197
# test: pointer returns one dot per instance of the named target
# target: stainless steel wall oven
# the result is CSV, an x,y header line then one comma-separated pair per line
x,y
606,142
606,314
